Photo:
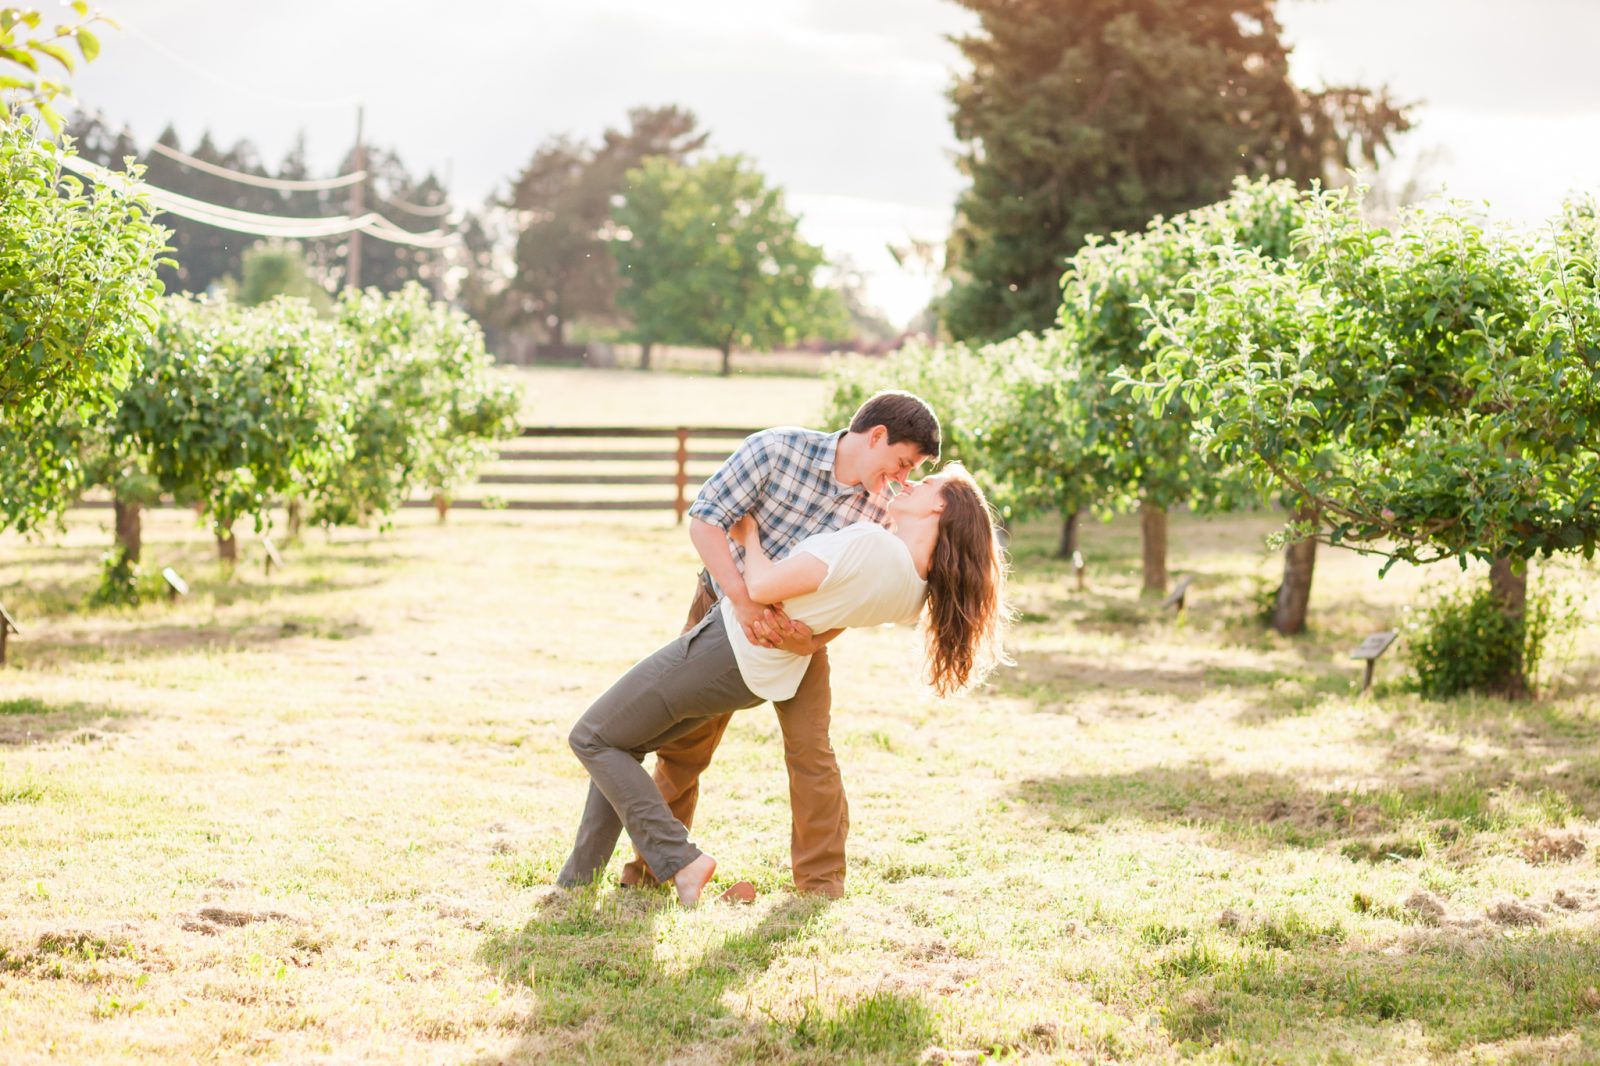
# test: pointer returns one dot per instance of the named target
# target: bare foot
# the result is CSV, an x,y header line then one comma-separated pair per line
x,y
692,879
739,892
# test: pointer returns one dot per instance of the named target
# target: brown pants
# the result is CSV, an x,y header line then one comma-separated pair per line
x,y
820,816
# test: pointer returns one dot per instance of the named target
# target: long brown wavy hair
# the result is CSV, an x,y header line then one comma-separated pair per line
x,y
967,610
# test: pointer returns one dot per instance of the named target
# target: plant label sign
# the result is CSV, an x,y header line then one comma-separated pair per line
x,y
176,586
273,558
8,625
1369,651
1180,592
1375,645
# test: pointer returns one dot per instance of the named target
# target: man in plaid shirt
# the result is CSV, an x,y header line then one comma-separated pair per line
x,y
796,482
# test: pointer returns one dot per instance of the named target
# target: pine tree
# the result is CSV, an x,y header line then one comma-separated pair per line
x,y
1091,116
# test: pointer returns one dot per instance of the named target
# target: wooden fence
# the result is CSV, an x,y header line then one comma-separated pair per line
x,y
674,448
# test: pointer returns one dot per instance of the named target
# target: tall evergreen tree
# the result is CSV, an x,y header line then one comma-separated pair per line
x,y
1092,116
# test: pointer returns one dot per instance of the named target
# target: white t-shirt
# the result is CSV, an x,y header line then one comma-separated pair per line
x,y
871,580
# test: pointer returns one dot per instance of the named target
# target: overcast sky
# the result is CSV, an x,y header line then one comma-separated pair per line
x,y
842,102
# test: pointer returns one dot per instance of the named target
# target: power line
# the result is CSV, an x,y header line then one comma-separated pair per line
x,y
424,210
249,222
282,184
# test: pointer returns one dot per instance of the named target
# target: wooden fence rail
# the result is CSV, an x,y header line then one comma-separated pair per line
x,y
681,455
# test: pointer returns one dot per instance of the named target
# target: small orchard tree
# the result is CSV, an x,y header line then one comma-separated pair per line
x,y
423,408
1041,442
234,408
1433,391
77,301
1006,410
278,268
709,255
954,380
1140,452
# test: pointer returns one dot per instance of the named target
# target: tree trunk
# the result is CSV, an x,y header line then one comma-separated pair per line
x,y
1508,580
228,546
295,518
1294,595
644,354
1069,533
1153,531
558,332
441,503
727,359
129,528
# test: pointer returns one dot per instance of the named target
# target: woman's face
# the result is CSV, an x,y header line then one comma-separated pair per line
x,y
920,498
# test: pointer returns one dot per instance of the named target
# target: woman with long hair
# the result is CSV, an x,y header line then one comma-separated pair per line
x,y
943,555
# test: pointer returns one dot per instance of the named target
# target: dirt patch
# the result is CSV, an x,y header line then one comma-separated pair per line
x,y
938,1056
1578,899
1513,912
212,920
1426,906
1548,847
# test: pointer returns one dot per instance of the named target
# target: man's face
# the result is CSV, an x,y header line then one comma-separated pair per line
x,y
890,462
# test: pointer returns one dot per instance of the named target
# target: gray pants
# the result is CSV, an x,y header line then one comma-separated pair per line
x,y
658,700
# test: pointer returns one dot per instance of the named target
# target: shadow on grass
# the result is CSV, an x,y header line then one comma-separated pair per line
x,y
52,601
1358,1005
1053,676
604,997
153,641
1409,815
27,721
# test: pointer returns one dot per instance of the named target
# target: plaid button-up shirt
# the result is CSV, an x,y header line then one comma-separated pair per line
x,y
785,477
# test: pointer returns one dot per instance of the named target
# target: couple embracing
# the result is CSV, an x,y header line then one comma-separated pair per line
x,y
802,537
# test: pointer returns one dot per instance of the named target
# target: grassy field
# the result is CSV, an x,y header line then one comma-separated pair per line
x,y
316,817
565,397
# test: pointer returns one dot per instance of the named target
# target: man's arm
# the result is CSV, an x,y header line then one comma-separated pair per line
x,y
712,544
767,626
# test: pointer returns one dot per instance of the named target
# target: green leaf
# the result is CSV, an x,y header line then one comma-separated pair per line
x,y
54,51
88,44
52,118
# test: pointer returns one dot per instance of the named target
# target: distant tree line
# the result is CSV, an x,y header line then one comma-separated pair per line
x,y
630,237
203,256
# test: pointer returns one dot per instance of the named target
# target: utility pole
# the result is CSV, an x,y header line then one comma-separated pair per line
x,y
358,206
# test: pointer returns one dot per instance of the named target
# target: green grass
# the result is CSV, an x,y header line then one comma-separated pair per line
x,y
317,816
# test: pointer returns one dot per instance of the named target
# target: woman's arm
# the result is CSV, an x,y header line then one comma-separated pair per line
x,y
770,582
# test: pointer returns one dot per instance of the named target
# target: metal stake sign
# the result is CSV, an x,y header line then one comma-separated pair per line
x,y
176,586
273,558
1371,649
1180,593
8,626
